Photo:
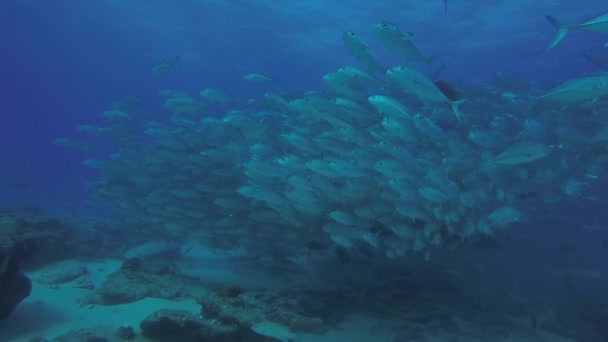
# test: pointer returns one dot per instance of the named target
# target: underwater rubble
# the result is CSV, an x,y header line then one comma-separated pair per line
x,y
172,325
407,303
138,279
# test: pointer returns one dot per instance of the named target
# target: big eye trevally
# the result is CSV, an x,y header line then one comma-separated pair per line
x,y
400,41
523,153
361,51
418,84
579,89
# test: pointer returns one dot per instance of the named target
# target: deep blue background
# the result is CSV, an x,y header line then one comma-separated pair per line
x,y
63,62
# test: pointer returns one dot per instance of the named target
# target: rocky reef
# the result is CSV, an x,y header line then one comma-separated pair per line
x,y
23,234
138,279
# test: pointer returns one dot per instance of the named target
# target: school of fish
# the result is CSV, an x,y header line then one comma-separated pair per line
x,y
385,160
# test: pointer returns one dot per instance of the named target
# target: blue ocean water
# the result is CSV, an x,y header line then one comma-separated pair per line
x,y
63,63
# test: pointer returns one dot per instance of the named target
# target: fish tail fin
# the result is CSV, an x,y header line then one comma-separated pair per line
x,y
178,60
562,30
455,106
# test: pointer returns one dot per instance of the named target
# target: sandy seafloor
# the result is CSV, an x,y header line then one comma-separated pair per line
x,y
53,310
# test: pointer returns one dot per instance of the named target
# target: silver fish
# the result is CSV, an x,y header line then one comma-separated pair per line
x,y
416,83
361,51
523,153
579,89
399,41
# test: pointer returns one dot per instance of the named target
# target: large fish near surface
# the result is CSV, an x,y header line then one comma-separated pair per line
x,y
598,24
579,89
165,65
416,83
358,48
254,77
400,41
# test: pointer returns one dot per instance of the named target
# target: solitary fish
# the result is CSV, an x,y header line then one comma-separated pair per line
x,y
165,65
257,78
597,24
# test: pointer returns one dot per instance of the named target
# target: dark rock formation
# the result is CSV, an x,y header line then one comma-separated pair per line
x,y
14,247
99,334
14,286
126,333
297,310
177,325
23,234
